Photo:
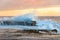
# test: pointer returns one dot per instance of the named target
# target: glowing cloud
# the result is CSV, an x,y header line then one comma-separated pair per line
x,y
50,11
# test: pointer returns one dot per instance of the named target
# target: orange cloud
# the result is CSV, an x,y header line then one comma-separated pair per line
x,y
50,11
14,12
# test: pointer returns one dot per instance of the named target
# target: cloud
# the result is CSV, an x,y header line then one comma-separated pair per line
x,y
25,4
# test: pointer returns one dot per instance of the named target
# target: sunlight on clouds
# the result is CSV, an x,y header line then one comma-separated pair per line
x,y
50,11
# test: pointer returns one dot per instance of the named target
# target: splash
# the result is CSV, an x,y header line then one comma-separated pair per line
x,y
25,17
48,24
40,24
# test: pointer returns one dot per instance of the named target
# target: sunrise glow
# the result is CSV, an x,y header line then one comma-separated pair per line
x,y
49,11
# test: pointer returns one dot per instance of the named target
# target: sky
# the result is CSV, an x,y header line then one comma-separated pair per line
x,y
19,7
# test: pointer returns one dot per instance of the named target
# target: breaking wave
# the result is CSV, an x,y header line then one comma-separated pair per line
x,y
40,24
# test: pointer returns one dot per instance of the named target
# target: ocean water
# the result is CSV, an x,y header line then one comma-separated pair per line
x,y
40,24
